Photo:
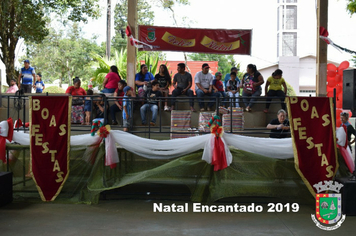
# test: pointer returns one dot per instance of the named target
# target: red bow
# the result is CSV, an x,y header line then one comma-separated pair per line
x,y
217,130
103,132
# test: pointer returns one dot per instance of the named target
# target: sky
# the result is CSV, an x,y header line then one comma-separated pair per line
x,y
261,17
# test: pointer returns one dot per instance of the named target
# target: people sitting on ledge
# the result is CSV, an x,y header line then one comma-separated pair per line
x,y
204,86
251,84
164,80
151,103
111,80
218,87
143,80
233,88
117,106
182,82
280,126
13,87
274,85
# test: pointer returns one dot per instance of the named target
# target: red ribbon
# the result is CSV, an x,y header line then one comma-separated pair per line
x,y
219,155
103,132
217,130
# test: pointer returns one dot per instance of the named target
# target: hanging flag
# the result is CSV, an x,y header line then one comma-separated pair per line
x,y
49,143
314,140
219,41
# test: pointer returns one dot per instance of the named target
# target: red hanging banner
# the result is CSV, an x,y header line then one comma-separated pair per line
x,y
49,143
220,41
314,140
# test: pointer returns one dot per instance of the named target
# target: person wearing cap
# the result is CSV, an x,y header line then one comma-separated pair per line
x,y
27,77
218,86
344,117
39,85
13,87
77,115
204,86
182,82
227,76
127,107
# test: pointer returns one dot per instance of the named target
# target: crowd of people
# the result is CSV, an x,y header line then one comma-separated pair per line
x,y
151,88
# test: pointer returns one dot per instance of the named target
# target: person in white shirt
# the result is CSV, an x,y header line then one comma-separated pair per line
x,y
204,86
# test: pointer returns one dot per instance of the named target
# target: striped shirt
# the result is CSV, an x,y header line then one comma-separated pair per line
x,y
27,75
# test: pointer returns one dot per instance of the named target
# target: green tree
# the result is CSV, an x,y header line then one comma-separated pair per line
x,y
145,16
27,19
63,55
225,62
351,6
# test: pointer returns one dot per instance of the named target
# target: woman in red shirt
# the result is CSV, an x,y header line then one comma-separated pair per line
x,y
77,115
111,80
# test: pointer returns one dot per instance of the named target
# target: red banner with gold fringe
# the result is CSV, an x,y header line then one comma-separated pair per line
x,y
220,41
49,143
314,140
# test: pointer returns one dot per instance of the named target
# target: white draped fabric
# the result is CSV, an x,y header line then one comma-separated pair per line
x,y
167,149
159,149
269,147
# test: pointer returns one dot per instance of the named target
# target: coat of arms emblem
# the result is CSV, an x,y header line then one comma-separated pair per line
x,y
151,35
328,206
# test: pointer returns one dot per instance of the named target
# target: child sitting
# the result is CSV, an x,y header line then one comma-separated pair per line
x,y
233,88
152,103
99,106
119,92
218,86
88,107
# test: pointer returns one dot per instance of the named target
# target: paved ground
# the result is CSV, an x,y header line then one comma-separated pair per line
x,y
136,217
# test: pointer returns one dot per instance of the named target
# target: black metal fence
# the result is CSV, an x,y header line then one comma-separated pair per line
x,y
20,111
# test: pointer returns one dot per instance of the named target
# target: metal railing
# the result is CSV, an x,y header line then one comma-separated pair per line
x,y
20,101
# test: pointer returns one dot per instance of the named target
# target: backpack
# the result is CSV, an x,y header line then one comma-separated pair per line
x,y
248,85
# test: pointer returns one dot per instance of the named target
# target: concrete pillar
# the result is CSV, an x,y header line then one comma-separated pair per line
x,y
322,48
131,50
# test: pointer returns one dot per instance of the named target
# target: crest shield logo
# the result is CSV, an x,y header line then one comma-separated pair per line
x,y
151,35
328,206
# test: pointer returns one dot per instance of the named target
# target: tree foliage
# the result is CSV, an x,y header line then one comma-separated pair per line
x,y
351,6
63,55
27,19
145,16
225,62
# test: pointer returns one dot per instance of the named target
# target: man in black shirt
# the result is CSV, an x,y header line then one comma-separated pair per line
x,y
280,126
151,102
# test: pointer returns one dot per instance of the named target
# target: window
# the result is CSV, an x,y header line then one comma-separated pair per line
x,y
291,17
289,44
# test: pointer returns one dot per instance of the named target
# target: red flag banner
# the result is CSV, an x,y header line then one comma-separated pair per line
x,y
314,140
220,41
49,143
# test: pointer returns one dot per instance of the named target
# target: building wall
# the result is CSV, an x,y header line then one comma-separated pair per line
x,y
2,74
